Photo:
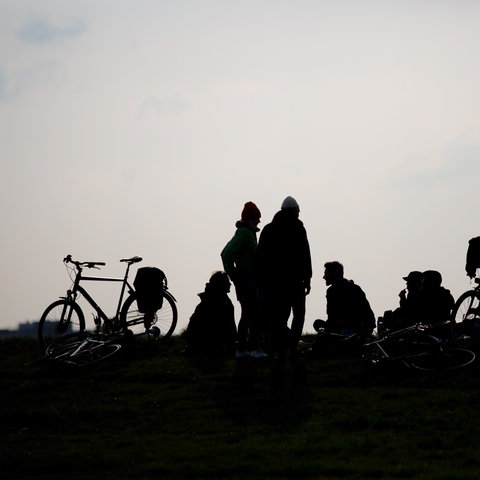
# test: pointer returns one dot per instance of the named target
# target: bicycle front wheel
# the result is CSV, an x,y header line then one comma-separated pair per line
x,y
61,318
448,358
165,319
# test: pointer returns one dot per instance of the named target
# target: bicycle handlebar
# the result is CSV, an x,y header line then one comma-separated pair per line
x,y
68,259
80,265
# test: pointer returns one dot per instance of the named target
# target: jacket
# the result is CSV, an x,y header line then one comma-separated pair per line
x,y
238,255
212,325
283,253
348,308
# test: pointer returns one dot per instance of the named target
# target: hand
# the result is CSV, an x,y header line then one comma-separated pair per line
x,y
307,287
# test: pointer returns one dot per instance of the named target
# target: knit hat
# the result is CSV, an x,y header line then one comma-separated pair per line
x,y
250,211
290,202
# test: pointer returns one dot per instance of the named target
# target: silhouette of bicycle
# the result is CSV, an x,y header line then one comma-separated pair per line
x,y
65,316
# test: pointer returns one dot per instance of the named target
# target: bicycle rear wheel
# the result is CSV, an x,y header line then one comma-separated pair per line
x,y
447,358
165,319
61,318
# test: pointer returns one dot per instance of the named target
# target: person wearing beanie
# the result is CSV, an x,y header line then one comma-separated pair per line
x,y
284,273
290,202
250,212
238,258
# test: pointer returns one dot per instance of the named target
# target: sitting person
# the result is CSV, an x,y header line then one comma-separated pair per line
x,y
425,301
211,329
436,301
348,310
409,311
350,319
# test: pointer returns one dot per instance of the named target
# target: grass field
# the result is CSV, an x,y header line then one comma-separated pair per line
x,y
152,413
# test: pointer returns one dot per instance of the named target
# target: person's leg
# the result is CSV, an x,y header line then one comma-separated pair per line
x,y
249,323
281,309
274,310
242,330
298,310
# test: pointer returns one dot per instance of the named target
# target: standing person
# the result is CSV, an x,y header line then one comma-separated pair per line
x,y
238,257
284,272
211,329
348,310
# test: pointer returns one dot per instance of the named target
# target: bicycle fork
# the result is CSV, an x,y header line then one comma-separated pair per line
x,y
66,317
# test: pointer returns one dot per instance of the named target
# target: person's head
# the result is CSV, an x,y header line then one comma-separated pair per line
x,y
333,272
251,214
291,207
431,279
219,282
414,280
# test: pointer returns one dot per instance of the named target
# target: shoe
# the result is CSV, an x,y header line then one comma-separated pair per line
x,y
242,354
258,354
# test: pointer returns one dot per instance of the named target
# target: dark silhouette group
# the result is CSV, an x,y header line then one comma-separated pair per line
x,y
272,277
424,300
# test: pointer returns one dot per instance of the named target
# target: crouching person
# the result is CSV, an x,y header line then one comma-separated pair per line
x,y
212,330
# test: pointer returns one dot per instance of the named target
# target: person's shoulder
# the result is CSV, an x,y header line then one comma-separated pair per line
x,y
354,287
269,227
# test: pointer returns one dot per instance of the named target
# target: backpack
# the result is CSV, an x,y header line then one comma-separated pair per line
x,y
149,286
473,257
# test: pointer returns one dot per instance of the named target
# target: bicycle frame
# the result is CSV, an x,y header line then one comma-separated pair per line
x,y
77,289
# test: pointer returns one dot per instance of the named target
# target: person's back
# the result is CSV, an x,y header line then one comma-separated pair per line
x,y
284,272
283,251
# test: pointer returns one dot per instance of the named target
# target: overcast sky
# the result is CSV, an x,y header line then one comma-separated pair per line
x,y
142,127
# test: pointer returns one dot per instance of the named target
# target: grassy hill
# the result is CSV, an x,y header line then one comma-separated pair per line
x,y
153,413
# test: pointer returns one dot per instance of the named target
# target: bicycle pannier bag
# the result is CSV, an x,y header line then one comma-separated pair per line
x,y
149,284
473,257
